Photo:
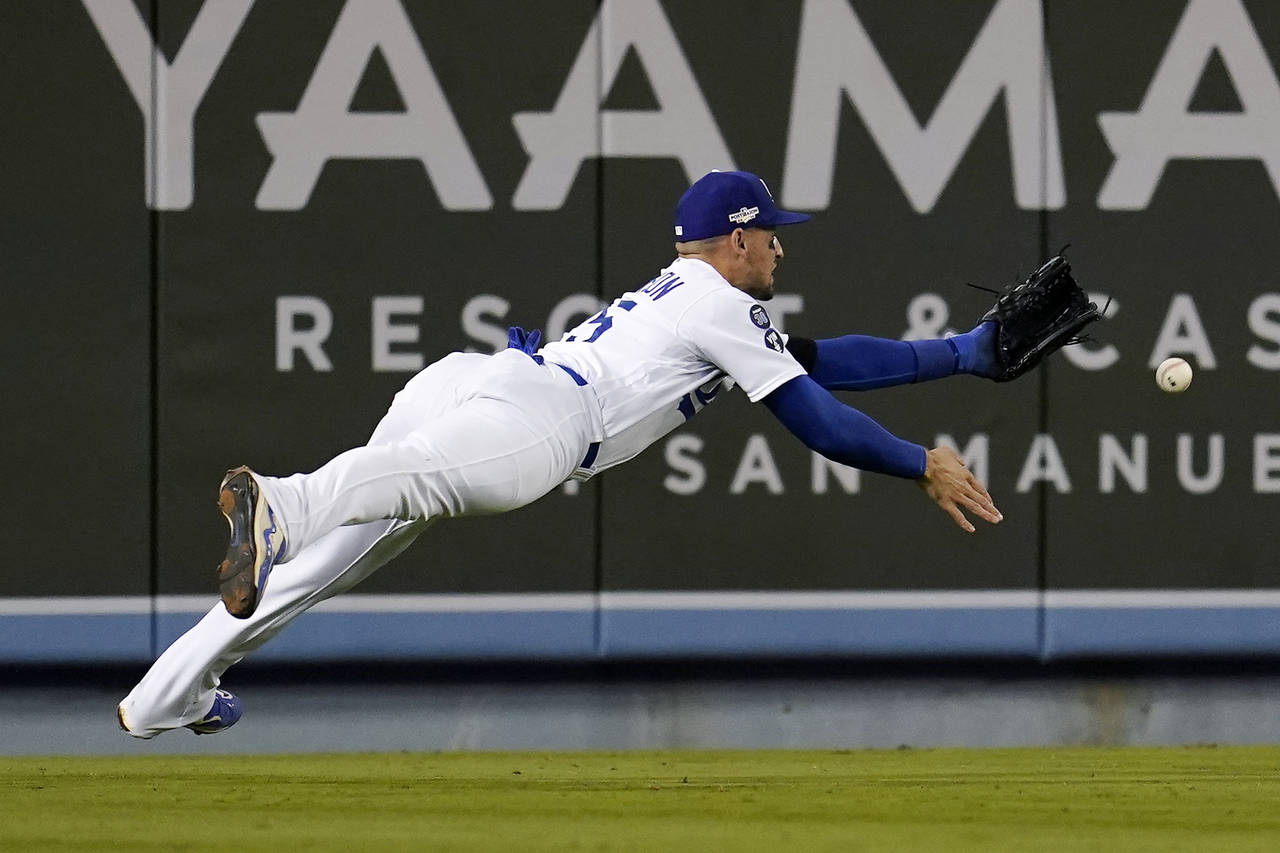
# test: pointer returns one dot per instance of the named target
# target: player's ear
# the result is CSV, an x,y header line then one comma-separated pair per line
x,y
738,239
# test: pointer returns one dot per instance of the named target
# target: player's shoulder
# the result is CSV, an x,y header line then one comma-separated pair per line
x,y
727,311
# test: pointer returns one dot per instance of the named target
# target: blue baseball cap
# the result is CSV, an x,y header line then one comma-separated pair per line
x,y
719,202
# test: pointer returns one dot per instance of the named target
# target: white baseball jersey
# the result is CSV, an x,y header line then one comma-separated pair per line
x,y
658,354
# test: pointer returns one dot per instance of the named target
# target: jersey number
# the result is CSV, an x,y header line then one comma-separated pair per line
x,y
603,321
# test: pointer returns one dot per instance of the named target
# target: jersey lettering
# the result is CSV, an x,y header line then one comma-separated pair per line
x,y
690,404
707,397
661,286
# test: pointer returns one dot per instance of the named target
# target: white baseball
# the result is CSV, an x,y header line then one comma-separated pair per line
x,y
1173,375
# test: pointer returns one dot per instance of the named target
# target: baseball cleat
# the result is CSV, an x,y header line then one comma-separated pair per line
x,y
223,715
256,543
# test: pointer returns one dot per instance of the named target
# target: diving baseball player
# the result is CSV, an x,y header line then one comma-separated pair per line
x,y
479,434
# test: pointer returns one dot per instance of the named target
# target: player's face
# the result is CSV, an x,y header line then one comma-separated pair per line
x,y
764,250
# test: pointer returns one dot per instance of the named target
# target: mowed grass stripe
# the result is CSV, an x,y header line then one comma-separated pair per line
x,y
956,800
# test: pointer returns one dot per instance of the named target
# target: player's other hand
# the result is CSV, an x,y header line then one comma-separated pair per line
x,y
952,486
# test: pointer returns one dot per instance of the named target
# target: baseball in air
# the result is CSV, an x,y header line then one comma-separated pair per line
x,y
1173,375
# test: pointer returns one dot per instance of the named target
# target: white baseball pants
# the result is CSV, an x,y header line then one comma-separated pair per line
x,y
470,434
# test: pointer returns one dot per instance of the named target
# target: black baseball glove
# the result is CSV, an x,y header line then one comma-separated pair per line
x,y
1038,317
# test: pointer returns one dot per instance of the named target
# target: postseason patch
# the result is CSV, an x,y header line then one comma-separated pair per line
x,y
773,340
759,316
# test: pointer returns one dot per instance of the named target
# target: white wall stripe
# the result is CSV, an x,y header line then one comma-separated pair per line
x,y
170,604
995,599
820,600
88,606
1162,598
533,602
185,603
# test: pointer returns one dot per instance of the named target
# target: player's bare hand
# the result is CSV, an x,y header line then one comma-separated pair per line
x,y
952,486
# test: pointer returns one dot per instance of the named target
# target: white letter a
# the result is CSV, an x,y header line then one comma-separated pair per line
x,y
324,128
576,129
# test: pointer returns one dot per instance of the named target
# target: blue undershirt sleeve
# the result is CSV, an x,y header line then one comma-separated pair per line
x,y
841,433
861,362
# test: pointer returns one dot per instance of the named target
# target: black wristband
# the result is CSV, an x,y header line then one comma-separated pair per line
x,y
803,350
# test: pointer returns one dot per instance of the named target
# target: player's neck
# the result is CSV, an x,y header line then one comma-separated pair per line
x,y
728,267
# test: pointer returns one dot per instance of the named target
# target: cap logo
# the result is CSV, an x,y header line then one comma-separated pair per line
x,y
745,214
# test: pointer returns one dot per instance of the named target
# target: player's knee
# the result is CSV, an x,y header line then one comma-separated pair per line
x,y
133,721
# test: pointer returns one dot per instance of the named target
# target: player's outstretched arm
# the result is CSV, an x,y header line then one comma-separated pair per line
x,y
846,435
862,362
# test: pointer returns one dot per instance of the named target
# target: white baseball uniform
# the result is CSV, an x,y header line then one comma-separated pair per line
x,y
476,434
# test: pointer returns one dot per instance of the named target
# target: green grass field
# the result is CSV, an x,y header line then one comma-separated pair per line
x,y
1201,799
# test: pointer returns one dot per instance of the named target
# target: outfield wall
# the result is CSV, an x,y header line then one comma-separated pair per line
x,y
235,228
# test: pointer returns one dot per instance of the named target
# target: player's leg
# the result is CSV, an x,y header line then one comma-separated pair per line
x,y
518,430
179,688
257,537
